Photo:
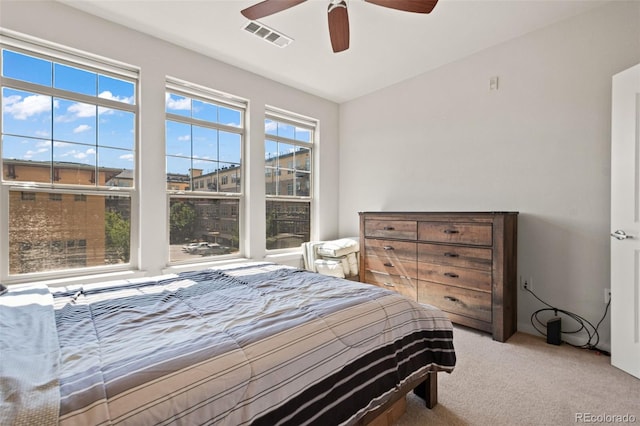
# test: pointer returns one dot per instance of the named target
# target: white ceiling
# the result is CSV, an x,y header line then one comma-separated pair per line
x,y
387,46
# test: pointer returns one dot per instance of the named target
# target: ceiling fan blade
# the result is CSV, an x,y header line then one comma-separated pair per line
x,y
268,7
339,26
417,6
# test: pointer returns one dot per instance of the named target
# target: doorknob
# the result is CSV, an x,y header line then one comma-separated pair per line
x,y
620,235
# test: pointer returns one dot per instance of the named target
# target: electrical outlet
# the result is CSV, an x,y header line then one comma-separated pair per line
x,y
607,295
526,283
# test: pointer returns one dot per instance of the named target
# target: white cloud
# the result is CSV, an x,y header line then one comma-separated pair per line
x,y
37,151
79,155
31,153
108,95
79,110
178,104
22,108
184,138
126,157
82,128
271,126
105,111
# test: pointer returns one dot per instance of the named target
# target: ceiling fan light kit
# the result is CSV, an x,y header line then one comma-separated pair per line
x,y
337,14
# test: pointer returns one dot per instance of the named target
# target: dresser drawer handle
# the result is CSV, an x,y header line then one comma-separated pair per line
x,y
451,231
389,228
389,284
447,254
388,248
389,264
451,275
452,299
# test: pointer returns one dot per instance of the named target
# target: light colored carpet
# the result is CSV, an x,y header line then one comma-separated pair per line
x,y
525,381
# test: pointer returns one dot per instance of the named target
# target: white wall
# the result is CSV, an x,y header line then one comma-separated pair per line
x,y
539,145
61,24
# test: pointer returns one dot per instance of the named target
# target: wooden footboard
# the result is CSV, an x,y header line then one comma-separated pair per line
x,y
426,387
428,390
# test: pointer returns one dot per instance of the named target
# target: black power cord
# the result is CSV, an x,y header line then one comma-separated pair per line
x,y
583,325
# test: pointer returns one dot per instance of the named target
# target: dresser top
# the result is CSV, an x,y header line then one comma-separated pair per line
x,y
458,213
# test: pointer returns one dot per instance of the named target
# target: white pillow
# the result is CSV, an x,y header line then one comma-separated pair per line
x,y
338,248
329,267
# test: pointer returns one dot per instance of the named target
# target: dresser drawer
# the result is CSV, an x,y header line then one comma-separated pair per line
x,y
399,267
466,257
391,249
452,275
400,229
469,303
478,234
402,285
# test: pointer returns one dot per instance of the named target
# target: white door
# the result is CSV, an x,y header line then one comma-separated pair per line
x,y
625,221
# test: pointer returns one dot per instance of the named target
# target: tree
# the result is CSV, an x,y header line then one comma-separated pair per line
x,y
182,220
117,236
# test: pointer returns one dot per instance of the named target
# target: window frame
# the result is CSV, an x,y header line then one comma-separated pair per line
x,y
299,121
58,54
205,94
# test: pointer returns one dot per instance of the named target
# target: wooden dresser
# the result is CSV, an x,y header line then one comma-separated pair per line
x,y
462,262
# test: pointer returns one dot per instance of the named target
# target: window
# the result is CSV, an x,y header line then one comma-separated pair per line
x,y
288,147
204,141
27,196
11,171
68,133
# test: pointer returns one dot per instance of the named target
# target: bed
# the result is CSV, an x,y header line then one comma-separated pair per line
x,y
256,343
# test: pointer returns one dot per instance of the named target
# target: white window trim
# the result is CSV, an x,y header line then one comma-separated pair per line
x,y
301,121
57,53
206,94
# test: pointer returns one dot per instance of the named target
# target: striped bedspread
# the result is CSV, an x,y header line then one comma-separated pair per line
x,y
258,344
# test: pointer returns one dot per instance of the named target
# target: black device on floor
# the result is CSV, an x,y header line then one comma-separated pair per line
x,y
554,326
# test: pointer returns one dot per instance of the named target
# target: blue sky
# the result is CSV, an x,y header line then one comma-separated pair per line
x,y
199,147
40,127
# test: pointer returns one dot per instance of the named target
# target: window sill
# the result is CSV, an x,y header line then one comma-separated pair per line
x,y
291,258
175,269
82,279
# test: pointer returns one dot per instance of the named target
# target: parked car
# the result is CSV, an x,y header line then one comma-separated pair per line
x,y
192,248
212,249
187,247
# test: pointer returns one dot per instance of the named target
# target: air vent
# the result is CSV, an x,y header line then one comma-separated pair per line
x,y
267,34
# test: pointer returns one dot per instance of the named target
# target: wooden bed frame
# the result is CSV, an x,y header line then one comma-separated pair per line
x,y
425,386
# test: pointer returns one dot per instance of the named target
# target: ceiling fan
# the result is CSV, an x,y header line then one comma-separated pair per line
x,y
337,14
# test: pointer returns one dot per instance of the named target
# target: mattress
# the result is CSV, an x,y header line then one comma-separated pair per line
x,y
257,343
